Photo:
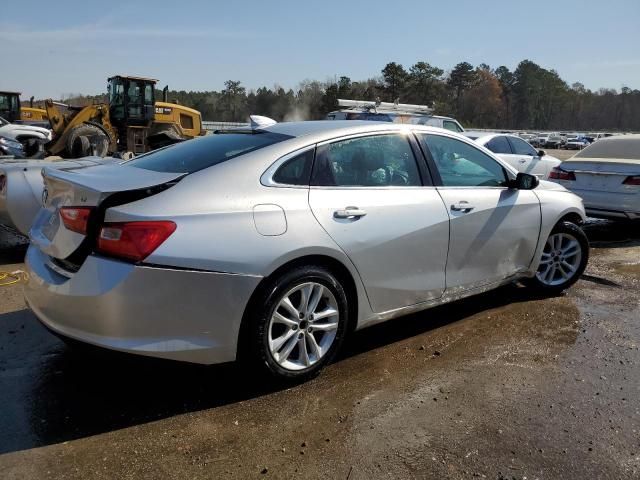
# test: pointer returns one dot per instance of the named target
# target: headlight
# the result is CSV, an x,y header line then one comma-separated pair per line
x,y
8,142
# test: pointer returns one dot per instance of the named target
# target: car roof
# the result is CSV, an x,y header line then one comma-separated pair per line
x,y
487,136
341,127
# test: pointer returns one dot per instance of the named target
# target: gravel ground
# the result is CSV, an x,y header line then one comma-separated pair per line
x,y
503,386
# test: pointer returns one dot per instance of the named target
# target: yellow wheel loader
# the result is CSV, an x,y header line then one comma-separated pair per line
x,y
12,111
132,122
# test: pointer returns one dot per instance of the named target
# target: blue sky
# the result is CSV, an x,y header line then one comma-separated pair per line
x,y
49,48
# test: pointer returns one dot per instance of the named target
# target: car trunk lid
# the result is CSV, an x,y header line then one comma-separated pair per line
x,y
97,187
604,175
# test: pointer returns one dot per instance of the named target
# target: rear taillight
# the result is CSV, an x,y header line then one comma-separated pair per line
x,y
3,183
76,218
631,180
560,174
133,240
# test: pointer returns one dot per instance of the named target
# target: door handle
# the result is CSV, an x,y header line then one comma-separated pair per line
x,y
349,212
462,207
522,161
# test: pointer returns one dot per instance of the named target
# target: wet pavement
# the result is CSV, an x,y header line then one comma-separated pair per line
x,y
502,385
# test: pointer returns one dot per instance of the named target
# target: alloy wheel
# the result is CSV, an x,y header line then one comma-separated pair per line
x,y
561,259
303,326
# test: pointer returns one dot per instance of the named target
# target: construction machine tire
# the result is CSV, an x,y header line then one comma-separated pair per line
x,y
162,137
85,140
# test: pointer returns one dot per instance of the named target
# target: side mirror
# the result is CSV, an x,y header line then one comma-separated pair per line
x,y
541,153
524,181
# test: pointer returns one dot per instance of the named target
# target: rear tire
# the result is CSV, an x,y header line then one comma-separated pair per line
x,y
564,259
297,324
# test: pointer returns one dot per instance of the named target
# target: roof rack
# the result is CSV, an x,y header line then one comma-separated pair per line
x,y
377,105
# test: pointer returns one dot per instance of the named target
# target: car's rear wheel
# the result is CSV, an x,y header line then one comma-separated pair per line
x,y
564,258
298,323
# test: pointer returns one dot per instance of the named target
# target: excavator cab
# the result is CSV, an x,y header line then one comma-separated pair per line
x,y
10,106
131,101
132,110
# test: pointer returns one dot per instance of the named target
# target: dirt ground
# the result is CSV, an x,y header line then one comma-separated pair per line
x,y
500,386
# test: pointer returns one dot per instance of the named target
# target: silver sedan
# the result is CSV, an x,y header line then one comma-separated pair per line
x,y
271,244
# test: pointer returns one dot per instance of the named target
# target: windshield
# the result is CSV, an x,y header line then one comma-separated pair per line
x,y
627,148
197,154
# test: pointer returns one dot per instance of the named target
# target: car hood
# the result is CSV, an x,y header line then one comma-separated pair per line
x,y
13,130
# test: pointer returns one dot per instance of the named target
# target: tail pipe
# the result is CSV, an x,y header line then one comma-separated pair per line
x,y
165,94
31,101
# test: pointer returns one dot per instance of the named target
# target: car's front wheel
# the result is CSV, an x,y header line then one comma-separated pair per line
x,y
564,258
298,323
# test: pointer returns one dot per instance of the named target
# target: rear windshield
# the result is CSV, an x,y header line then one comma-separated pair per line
x,y
627,148
197,154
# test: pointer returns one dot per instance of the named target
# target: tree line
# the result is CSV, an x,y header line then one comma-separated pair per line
x,y
528,98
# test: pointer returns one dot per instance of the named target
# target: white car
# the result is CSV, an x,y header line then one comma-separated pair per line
x,y
13,136
606,175
518,153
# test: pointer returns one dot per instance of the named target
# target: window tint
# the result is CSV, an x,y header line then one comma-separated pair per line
x,y
453,126
520,147
461,164
499,145
193,155
295,171
376,161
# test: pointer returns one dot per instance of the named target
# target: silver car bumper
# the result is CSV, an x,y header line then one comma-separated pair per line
x,y
610,204
184,315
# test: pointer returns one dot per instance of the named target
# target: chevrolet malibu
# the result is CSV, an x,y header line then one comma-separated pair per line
x,y
271,244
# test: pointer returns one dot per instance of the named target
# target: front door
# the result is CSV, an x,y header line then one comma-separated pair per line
x,y
368,194
494,229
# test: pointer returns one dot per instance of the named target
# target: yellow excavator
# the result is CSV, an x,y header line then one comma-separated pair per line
x,y
132,122
12,111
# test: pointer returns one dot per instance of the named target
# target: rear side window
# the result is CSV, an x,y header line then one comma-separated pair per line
x,y
374,161
193,155
462,165
453,126
296,171
499,145
520,147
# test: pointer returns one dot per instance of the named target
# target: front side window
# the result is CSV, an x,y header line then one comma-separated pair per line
x,y
499,145
295,171
462,165
375,161
520,147
200,153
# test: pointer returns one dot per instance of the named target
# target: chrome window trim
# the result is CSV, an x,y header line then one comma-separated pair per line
x,y
266,179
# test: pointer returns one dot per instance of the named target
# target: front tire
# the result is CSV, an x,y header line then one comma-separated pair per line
x,y
297,324
564,259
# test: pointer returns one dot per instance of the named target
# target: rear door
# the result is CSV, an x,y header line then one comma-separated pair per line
x,y
494,229
370,195
527,155
501,147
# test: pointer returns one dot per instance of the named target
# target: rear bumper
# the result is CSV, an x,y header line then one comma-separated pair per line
x,y
603,204
183,315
